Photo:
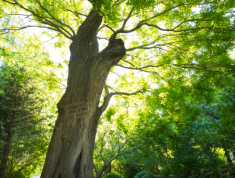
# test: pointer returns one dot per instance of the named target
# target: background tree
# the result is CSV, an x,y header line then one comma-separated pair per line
x,y
19,110
27,104
183,131
188,138
111,145
171,39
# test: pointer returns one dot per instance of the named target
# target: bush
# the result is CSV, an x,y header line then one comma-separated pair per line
x,y
113,175
131,169
146,174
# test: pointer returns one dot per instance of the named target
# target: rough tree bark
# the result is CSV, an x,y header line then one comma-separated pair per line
x,y
70,153
6,153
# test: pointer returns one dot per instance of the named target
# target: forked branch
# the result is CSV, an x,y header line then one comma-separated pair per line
x,y
117,151
109,96
141,23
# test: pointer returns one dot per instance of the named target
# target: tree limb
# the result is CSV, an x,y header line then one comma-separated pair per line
x,y
52,38
158,46
128,17
106,89
109,96
76,13
154,72
96,171
140,68
43,20
56,18
189,29
141,23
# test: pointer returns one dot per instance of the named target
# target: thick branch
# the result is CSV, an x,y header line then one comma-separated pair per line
x,y
89,27
106,89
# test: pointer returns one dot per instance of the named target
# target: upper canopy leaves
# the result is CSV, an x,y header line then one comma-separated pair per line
x,y
185,40
167,16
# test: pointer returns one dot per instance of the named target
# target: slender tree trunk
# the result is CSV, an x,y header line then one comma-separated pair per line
x,y
6,153
70,153
106,168
109,168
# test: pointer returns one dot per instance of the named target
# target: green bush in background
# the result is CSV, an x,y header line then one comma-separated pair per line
x,y
146,174
113,175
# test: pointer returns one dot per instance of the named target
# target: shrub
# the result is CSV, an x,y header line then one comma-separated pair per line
x,y
131,169
146,174
113,175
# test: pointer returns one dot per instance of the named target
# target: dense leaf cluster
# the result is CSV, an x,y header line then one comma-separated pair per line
x,y
27,104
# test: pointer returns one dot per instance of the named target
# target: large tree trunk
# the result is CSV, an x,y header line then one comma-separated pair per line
x,y
6,153
70,153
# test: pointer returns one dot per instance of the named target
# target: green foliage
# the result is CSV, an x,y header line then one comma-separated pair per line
x,y
146,174
20,107
183,120
109,113
27,102
231,3
130,169
20,175
113,175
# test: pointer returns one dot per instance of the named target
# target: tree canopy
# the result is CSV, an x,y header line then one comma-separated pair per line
x,y
167,39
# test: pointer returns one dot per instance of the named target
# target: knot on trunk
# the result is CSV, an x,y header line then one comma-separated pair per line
x,y
115,50
94,46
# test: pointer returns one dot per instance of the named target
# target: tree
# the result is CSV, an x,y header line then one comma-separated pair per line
x,y
186,135
27,99
171,39
109,146
20,116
